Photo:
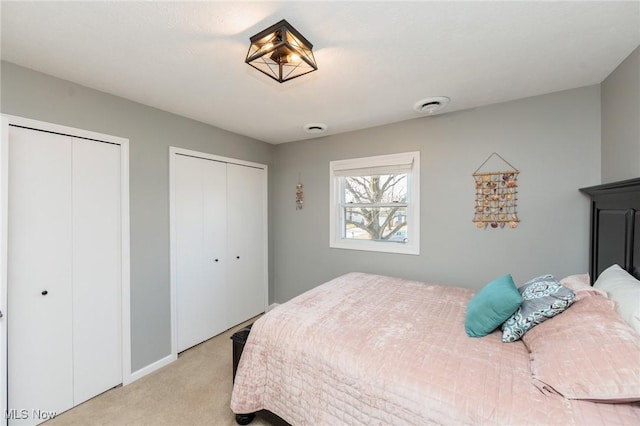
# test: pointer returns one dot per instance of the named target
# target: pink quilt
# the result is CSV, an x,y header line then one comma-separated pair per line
x,y
373,350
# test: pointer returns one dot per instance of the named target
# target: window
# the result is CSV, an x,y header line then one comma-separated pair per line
x,y
375,203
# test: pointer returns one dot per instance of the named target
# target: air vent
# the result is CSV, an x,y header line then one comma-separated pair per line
x,y
431,105
315,128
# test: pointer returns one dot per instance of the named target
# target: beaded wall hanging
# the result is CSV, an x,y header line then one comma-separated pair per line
x,y
496,196
299,194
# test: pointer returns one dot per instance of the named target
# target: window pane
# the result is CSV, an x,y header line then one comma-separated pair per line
x,y
376,223
375,203
375,189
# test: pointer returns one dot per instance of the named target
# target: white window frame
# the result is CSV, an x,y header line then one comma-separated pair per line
x,y
338,169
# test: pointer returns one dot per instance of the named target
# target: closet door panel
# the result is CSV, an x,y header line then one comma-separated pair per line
x,y
97,328
215,244
39,311
246,243
200,197
189,245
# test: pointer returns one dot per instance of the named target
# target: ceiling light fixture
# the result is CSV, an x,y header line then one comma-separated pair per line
x,y
281,52
431,105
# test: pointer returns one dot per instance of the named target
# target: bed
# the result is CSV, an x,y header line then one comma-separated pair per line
x,y
368,349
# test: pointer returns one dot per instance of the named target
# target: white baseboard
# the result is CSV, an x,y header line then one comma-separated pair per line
x,y
271,306
151,368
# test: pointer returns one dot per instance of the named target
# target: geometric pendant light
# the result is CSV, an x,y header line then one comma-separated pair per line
x,y
281,52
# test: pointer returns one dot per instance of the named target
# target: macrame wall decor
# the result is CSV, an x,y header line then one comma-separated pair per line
x,y
496,196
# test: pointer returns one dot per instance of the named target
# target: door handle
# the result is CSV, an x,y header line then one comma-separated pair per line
x,y
1,314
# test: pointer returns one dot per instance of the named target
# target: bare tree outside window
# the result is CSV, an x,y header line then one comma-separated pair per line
x,y
375,207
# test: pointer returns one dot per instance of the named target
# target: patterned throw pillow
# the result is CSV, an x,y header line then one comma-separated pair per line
x,y
542,298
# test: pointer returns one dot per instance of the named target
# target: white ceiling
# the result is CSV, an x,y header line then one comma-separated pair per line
x,y
375,59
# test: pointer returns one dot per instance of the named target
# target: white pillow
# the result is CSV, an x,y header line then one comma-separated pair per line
x,y
624,289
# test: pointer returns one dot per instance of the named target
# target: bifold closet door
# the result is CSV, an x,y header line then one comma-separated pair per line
x,y
246,212
40,271
97,269
64,271
201,258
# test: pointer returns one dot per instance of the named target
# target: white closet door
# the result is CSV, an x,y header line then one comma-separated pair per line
x,y
214,235
200,228
39,311
246,223
97,314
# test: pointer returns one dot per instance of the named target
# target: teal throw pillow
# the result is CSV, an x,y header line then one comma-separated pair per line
x,y
542,298
491,306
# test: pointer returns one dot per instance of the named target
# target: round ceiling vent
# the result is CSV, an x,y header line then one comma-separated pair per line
x,y
431,105
315,128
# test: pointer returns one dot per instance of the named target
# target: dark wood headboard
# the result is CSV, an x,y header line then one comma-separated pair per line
x,y
615,226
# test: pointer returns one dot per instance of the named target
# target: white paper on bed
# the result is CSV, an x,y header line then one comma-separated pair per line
x,y
366,349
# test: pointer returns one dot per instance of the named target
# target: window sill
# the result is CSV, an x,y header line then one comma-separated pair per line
x,y
386,247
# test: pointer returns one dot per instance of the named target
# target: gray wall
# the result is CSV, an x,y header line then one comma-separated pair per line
x,y
150,131
621,121
554,140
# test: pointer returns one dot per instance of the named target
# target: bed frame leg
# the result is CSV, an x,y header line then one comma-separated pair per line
x,y
245,419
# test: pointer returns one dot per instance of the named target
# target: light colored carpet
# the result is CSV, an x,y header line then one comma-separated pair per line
x,y
193,390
